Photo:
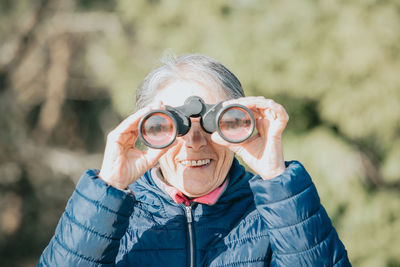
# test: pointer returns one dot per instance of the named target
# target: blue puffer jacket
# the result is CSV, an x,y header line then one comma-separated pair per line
x,y
279,222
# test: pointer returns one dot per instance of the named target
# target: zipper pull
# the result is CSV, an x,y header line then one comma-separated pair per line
x,y
189,213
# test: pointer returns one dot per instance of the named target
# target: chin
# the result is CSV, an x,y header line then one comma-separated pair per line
x,y
195,192
199,177
199,185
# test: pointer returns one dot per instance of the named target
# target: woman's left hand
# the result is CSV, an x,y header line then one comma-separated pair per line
x,y
262,152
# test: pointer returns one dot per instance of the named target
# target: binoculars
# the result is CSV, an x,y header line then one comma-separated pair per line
x,y
159,128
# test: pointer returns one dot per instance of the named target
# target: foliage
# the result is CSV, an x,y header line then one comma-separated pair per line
x,y
68,73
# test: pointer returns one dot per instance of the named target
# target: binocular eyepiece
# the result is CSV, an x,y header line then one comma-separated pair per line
x,y
159,128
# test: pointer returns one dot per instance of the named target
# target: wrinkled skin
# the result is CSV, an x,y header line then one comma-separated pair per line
x,y
123,164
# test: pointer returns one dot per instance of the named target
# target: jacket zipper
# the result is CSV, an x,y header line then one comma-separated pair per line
x,y
190,229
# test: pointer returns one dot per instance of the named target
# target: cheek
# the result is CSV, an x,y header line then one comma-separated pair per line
x,y
168,159
225,157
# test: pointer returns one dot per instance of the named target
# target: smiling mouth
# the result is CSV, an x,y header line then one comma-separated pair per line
x,y
195,163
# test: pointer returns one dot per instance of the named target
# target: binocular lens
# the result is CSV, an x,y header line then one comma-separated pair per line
x,y
235,124
158,130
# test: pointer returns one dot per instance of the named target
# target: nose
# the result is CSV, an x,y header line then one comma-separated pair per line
x,y
196,138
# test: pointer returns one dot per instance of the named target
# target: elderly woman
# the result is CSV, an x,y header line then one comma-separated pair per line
x,y
192,203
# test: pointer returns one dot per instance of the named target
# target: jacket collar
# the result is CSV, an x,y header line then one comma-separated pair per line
x,y
179,197
146,189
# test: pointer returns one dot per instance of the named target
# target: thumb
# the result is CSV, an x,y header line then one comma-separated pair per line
x,y
153,154
216,138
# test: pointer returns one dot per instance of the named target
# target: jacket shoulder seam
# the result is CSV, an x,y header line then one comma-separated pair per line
x,y
89,259
242,262
69,217
342,257
239,240
253,217
98,204
314,213
162,205
143,212
123,250
43,261
247,237
292,196
308,249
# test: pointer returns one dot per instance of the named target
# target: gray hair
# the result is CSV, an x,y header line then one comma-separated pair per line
x,y
194,67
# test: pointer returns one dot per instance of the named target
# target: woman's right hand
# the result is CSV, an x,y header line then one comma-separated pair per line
x,y
123,163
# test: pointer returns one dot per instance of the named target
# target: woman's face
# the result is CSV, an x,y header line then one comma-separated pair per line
x,y
194,164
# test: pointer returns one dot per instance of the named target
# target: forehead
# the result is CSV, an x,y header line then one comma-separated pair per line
x,y
175,93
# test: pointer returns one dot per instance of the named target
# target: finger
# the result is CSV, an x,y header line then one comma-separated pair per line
x,y
128,128
133,120
216,138
269,110
261,103
262,126
270,115
282,114
251,102
152,155
236,148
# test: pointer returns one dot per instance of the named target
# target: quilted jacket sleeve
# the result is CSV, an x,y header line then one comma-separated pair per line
x,y
90,229
301,232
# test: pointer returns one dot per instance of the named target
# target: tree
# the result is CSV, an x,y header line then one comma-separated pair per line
x,y
68,73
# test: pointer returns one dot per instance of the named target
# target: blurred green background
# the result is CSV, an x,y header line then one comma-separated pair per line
x,y
69,69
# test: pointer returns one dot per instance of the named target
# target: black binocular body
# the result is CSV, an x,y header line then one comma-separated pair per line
x,y
159,128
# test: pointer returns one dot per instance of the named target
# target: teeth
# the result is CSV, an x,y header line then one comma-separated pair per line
x,y
200,162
